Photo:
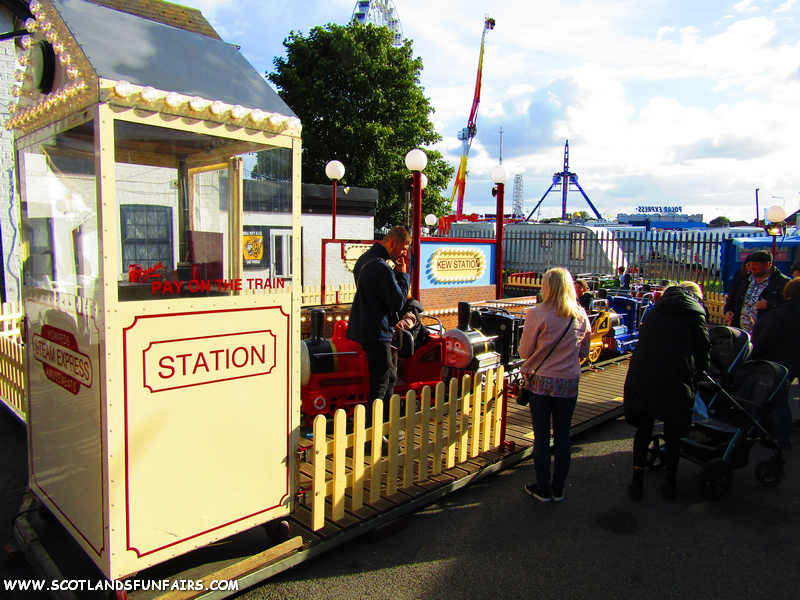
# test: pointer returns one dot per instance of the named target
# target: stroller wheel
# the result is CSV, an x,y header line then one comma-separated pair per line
x,y
716,477
655,452
769,472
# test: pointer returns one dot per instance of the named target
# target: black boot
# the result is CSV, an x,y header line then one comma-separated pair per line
x,y
637,484
669,491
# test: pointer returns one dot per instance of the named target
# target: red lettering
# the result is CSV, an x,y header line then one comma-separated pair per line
x,y
155,286
254,353
233,358
201,361
184,357
165,366
216,357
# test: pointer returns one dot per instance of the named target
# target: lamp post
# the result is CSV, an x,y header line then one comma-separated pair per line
x,y
431,220
499,176
775,226
416,161
335,171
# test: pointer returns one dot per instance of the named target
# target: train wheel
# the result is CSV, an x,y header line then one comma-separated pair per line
x,y
277,531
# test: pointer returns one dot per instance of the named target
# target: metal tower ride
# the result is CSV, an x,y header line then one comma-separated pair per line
x,y
381,13
466,134
517,211
564,179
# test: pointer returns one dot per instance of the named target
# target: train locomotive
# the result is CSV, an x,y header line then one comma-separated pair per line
x,y
334,371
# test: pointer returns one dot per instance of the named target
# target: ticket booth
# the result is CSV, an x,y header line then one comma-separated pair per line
x,y
162,380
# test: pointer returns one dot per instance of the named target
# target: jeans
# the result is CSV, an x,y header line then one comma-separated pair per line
x,y
382,375
561,409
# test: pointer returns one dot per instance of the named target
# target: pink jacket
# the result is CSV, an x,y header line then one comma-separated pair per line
x,y
542,330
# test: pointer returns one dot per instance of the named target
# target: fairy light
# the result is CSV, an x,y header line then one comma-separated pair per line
x,y
26,41
293,124
72,71
218,108
23,60
123,89
149,94
197,104
45,25
238,111
276,120
257,115
35,6
19,75
51,36
65,58
173,100
31,25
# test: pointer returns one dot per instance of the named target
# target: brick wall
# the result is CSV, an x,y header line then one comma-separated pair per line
x,y
451,296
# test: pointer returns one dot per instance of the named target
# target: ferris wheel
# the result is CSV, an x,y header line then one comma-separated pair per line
x,y
381,13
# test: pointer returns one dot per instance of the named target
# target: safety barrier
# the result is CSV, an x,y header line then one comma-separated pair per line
x,y
439,435
12,359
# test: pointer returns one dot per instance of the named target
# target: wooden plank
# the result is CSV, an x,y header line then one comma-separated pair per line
x,y
359,432
394,446
319,487
425,435
410,428
451,424
339,466
376,465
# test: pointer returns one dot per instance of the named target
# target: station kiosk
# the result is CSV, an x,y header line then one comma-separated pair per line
x,y
162,381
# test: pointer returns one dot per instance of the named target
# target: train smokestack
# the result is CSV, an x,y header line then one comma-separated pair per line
x,y
317,325
464,309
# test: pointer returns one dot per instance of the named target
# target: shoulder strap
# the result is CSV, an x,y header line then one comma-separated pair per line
x,y
571,319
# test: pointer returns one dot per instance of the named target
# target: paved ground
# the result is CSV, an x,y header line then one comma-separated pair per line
x,y
493,541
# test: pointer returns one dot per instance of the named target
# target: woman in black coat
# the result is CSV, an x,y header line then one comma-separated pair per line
x,y
673,345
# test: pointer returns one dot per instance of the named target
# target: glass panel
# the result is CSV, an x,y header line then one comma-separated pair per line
x,y
59,212
173,199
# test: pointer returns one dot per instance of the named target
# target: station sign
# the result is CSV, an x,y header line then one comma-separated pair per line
x,y
670,210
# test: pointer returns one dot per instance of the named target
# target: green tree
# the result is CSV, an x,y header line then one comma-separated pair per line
x,y
720,222
360,101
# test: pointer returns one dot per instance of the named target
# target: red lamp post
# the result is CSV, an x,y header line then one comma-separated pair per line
x,y
416,161
499,177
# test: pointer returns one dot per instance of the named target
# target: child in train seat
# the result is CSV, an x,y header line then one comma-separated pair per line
x,y
409,319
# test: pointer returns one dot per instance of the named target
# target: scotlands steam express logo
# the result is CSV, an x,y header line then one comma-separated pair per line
x,y
61,359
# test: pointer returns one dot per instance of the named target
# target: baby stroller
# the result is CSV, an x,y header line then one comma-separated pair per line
x,y
730,348
740,417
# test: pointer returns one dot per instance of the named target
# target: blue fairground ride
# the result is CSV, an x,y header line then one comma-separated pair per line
x,y
564,179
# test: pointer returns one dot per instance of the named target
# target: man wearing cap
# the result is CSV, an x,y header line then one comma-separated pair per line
x,y
754,295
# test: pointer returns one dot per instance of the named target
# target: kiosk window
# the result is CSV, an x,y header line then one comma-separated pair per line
x,y
58,194
146,235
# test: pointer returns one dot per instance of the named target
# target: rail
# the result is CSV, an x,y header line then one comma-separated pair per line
x,y
349,469
12,359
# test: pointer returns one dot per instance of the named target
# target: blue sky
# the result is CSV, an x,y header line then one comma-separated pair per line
x,y
664,102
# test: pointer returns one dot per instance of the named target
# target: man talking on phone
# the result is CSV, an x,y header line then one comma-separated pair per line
x,y
381,292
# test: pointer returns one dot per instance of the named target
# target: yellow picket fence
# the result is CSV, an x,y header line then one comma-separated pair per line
x,y
449,430
714,303
12,359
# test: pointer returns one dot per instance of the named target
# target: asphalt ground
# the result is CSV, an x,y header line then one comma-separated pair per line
x,y
491,540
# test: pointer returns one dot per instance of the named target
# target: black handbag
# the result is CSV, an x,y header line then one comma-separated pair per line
x,y
522,397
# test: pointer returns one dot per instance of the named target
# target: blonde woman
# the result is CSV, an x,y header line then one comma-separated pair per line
x,y
556,337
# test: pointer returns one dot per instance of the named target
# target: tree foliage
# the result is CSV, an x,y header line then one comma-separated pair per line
x,y
360,101
720,222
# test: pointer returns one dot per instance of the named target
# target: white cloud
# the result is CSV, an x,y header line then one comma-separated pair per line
x,y
745,6
785,6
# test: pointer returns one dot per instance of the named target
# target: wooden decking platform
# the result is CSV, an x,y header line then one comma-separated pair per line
x,y
247,557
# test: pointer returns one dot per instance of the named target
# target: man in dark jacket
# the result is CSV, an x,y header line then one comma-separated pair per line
x,y
751,297
775,338
380,293
673,345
